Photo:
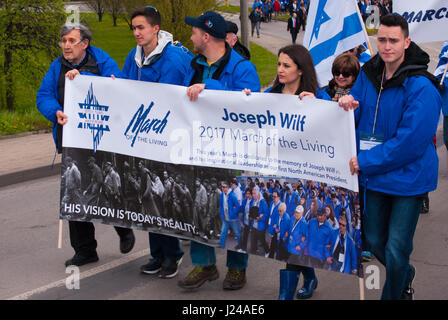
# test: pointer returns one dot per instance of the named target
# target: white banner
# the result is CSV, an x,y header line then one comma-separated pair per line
x,y
266,133
428,20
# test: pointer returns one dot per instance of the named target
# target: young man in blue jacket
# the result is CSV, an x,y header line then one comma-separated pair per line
x,y
78,57
217,67
156,59
398,108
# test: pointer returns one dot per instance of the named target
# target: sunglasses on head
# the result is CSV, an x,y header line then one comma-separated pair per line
x,y
336,73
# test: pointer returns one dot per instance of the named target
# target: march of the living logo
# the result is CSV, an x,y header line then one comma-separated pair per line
x,y
93,117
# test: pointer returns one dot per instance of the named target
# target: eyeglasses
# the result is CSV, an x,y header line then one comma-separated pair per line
x,y
337,73
70,42
342,225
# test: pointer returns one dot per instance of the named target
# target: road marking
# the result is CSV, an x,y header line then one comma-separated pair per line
x,y
86,274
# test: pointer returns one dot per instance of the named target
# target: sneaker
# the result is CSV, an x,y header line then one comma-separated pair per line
x,y
171,270
152,267
408,292
366,256
235,279
198,276
80,259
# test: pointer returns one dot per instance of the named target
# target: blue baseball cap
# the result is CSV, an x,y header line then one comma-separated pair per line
x,y
211,22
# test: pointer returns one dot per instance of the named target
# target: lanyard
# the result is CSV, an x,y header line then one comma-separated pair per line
x,y
378,101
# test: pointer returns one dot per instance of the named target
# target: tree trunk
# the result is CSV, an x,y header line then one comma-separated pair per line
x,y
100,16
244,19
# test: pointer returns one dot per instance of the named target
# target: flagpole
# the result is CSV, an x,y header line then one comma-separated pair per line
x,y
444,75
369,46
60,234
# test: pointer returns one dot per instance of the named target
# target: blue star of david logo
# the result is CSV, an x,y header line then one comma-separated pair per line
x,y
321,18
93,117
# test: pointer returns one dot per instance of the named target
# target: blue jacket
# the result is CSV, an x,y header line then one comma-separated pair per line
x,y
406,163
237,74
318,239
263,212
272,217
296,234
47,96
233,206
167,64
350,255
282,227
292,203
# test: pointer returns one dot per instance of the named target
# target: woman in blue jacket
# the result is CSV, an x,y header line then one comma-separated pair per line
x,y
296,75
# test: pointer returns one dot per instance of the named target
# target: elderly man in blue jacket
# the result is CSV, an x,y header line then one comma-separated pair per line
x,y
157,59
217,67
259,224
398,109
78,57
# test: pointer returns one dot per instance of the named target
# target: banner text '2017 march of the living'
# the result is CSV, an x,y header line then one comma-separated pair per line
x,y
161,159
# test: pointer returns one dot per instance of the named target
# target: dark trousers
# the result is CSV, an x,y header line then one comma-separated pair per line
x,y
82,236
308,273
445,131
273,246
256,237
164,249
294,36
245,237
390,224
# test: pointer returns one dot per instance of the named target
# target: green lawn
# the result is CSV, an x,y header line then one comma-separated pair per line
x,y
117,41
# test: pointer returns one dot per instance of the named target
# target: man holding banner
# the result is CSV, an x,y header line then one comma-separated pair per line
x,y
156,59
217,67
78,57
397,110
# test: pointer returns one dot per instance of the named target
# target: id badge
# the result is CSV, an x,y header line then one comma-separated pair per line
x,y
341,257
368,141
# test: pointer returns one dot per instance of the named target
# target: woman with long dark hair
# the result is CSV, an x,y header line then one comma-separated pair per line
x,y
296,75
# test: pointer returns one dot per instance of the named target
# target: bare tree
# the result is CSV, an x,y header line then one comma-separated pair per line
x,y
129,6
114,8
98,6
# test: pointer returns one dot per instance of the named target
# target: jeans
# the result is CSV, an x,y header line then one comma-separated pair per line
x,y
255,26
164,249
203,255
235,225
445,131
390,224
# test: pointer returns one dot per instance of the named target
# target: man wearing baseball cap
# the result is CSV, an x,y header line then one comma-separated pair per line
x,y
217,67
234,42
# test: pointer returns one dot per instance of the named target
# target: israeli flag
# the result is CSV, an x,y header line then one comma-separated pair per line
x,y
333,27
441,67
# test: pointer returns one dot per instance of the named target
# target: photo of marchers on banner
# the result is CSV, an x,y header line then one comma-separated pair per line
x,y
300,222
